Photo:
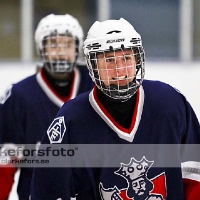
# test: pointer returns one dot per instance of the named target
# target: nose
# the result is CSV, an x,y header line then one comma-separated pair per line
x,y
62,51
120,64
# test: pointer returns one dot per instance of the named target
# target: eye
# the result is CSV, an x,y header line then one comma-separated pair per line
x,y
53,45
68,44
128,57
110,60
142,182
134,184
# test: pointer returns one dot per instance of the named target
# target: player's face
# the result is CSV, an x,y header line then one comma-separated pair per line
x,y
139,186
60,48
117,67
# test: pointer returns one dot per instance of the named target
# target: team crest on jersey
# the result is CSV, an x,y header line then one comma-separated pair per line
x,y
56,130
6,95
139,186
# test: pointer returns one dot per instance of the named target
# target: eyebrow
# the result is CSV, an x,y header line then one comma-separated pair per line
x,y
111,54
56,37
54,40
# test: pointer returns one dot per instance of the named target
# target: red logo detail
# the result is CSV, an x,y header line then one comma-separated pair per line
x,y
159,183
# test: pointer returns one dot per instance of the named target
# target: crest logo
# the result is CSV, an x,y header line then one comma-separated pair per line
x,y
134,169
56,130
139,187
111,193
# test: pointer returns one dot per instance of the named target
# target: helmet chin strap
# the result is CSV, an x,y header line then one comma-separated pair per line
x,y
120,93
60,66
55,81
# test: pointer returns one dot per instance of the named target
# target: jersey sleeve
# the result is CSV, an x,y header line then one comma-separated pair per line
x,y
60,183
9,137
12,115
48,183
190,155
6,180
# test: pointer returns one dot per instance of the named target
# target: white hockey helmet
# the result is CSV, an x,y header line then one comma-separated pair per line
x,y
56,25
114,35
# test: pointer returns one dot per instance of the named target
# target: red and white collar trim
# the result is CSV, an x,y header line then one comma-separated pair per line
x,y
126,134
52,94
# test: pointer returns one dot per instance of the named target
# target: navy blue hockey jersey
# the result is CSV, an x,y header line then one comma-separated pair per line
x,y
26,111
127,171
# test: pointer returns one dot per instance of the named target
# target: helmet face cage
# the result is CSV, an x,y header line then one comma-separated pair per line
x,y
59,52
110,79
55,36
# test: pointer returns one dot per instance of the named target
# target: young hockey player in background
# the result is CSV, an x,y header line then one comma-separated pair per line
x,y
31,104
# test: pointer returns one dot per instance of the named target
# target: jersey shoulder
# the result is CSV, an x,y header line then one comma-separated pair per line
x,y
163,95
21,88
72,115
82,68
25,84
158,88
76,105
86,82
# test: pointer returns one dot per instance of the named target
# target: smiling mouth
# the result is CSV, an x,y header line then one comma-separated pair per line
x,y
119,78
141,192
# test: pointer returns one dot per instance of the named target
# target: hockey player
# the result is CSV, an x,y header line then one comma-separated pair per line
x,y
30,105
123,115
